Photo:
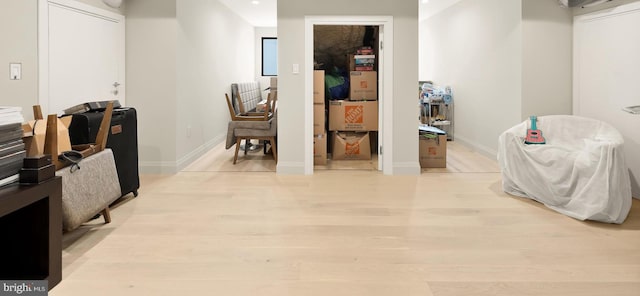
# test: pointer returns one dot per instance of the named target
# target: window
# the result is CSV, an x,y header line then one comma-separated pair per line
x,y
269,56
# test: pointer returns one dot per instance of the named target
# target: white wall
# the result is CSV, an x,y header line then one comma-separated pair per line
x,y
547,37
502,67
478,53
215,48
291,87
182,56
151,34
19,24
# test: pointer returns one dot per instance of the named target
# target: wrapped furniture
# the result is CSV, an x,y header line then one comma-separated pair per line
x,y
579,172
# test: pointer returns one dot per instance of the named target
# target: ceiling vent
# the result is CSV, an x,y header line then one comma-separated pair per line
x,y
582,3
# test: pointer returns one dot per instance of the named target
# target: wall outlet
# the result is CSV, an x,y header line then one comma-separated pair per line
x,y
188,131
15,71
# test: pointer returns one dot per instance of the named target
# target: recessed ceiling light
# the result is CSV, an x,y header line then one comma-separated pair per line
x,y
255,2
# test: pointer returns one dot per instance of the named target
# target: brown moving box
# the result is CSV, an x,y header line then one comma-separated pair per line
x,y
320,149
353,115
34,139
351,146
318,86
273,83
352,62
364,85
318,119
433,152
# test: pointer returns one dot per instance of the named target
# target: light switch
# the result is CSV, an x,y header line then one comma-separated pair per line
x,y
15,71
296,69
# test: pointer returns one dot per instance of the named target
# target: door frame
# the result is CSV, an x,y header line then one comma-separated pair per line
x,y
43,44
385,85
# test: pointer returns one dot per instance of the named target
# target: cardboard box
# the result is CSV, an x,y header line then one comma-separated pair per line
x,y
318,86
353,116
352,62
364,85
433,152
351,146
34,139
261,106
364,68
273,85
318,119
320,149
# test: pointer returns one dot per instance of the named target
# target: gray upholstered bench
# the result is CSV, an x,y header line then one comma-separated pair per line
x,y
89,190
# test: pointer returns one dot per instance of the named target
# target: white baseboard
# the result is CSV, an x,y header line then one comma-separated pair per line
x,y
173,167
290,168
192,156
158,167
484,150
406,168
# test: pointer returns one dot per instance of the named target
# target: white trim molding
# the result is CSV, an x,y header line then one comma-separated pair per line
x,y
291,168
192,156
385,87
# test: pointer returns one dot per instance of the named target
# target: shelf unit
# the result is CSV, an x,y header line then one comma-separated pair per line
x,y
439,113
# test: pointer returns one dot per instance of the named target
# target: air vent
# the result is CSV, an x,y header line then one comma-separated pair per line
x,y
582,3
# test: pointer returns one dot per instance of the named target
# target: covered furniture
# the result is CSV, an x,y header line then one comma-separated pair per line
x,y
579,172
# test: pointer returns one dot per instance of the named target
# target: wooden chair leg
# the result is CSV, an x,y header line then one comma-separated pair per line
x,y
235,156
273,148
106,213
247,143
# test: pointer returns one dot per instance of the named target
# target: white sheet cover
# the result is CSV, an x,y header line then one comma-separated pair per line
x,y
579,172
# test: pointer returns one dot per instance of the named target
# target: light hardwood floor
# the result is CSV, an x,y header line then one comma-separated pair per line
x,y
345,232
460,159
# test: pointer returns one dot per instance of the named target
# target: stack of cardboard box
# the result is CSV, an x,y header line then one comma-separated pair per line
x,y
319,131
350,121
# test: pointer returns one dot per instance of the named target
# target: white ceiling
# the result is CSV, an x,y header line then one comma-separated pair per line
x,y
265,14
434,6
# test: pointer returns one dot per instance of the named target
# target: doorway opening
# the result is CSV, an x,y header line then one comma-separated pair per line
x,y
345,97
378,33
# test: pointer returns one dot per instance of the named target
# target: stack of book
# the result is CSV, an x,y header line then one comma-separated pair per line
x,y
12,150
365,59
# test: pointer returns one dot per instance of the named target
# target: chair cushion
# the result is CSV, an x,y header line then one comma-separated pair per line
x,y
250,94
88,190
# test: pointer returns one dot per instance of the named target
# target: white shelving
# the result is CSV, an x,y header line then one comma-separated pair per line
x,y
439,113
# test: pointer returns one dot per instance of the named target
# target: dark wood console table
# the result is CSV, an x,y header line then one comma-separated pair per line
x,y
31,231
